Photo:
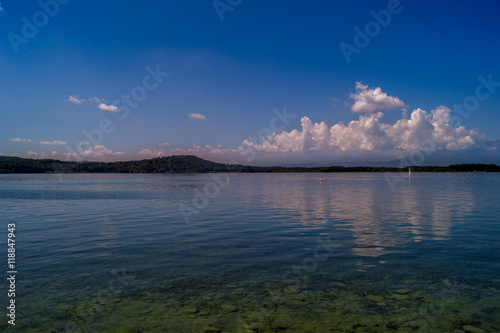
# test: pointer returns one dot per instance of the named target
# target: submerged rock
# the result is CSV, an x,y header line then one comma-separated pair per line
x,y
255,325
402,291
472,329
375,298
190,310
228,308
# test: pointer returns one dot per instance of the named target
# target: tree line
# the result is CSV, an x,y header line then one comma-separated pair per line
x,y
194,164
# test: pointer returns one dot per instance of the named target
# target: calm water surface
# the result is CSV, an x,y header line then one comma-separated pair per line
x,y
263,253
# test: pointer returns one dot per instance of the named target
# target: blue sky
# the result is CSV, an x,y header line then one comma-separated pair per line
x,y
231,63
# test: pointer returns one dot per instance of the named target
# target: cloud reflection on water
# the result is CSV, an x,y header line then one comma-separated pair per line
x,y
377,220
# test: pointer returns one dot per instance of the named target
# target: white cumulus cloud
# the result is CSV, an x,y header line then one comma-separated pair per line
x,y
88,152
53,143
363,139
95,100
99,152
102,102
20,140
106,107
92,153
367,100
369,133
32,154
75,99
35,155
152,153
197,116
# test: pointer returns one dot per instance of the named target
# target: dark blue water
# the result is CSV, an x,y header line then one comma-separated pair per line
x,y
261,253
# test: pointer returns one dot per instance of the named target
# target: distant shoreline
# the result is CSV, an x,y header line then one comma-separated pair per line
x,y
194,164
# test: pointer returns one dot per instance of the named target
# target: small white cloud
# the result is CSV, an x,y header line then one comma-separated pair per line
x,y
196,116
369,100
95,100
21,140
106,107
1,8
32,154
91,153
151,153
53,143
100,151
35,155
75,99
164,144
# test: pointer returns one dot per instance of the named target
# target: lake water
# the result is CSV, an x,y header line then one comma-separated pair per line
x,y
261,253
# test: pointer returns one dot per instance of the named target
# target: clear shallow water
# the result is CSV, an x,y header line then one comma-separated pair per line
x,y
263,253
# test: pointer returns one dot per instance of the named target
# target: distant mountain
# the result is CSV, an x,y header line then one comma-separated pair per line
x,y
449,157
493,145
490,154
193,164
